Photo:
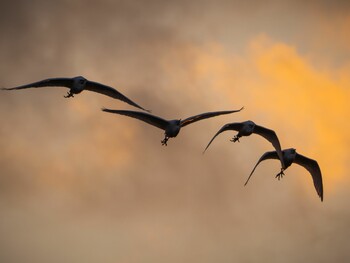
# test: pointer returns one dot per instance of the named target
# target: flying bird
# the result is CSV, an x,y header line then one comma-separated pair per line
x,y
171,127
291,156
247,128
76,85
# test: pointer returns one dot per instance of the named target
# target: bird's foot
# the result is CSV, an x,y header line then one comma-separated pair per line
x,y
69,94
235,139
280,175
165,141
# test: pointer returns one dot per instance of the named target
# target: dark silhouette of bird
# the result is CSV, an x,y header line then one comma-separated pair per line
x,y
247,128
171,127
291,156
76,85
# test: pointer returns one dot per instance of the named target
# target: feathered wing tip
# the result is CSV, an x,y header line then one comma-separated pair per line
x,y
104,109
271,136
251,173
142,116
130,102
51,82
222,129
205,115
9,88
111,92
314,170
265,156
212,139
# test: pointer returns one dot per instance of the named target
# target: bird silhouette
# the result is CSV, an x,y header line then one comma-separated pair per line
x,y
76,85
247,128
171,127
291,156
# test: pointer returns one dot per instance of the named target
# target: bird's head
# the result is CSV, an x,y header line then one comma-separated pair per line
x,y
250,124
79,81
290,151
175,123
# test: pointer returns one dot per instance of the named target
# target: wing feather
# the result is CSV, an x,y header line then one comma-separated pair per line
x,y
206,115
230,126
111,92
315,171
52,82
265,156
271,136
143,116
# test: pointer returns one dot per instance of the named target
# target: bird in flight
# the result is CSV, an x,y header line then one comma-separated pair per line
x,y
171,127
247,128
76,85
291,156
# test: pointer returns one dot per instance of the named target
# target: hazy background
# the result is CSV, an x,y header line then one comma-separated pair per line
x,y
80,185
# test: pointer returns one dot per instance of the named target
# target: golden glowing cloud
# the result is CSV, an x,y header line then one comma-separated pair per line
x,y
283,90
309,103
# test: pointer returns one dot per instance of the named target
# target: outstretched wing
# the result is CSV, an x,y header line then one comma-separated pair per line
x,y
271,136
111,92
315,171
265,156
206,115
230,126
53,82
143,116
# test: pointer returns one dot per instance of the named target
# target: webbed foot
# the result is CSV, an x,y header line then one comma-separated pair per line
x,y
280,174
69,94
235,139
165,141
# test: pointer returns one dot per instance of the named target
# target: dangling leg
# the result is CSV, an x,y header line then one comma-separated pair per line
x,y
235,139
165,141
69,94
280,174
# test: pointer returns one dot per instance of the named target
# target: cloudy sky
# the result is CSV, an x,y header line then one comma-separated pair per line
x,y
80,185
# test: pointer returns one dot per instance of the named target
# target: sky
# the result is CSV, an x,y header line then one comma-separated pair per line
x,y
81,185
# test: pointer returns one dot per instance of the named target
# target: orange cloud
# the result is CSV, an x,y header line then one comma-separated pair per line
x,y
311,105
283,90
